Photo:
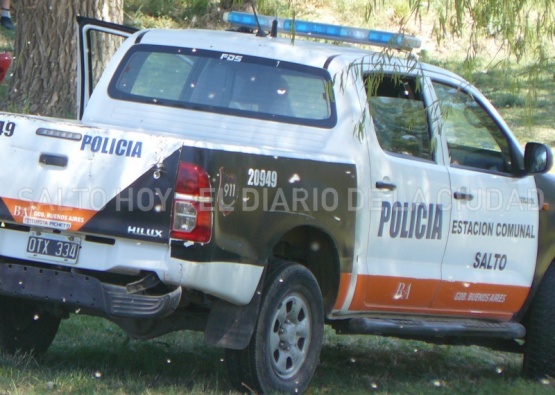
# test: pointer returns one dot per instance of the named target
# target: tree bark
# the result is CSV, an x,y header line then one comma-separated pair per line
x,y
46,50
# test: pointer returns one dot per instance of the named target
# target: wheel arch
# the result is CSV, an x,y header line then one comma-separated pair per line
x,y
315,249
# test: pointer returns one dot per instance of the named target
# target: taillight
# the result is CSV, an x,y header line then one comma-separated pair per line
x,y
192,208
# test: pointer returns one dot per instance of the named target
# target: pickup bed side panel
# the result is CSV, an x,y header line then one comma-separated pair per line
x,y
258,198
143,209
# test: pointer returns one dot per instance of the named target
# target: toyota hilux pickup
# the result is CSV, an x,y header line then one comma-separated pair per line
x,y
257,187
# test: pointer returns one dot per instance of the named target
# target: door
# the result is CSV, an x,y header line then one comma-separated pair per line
x,y
409,200
492,244
98,41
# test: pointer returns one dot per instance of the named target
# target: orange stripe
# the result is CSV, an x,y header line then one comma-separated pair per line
x,y
477,296
29,213
374,291
344,285
432,297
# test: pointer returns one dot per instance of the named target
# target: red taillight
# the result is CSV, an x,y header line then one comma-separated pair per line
x,y
192,207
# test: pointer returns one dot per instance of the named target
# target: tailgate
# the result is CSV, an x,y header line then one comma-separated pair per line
x,y
65,176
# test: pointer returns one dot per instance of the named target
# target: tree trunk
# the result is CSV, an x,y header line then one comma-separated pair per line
x,y
45,65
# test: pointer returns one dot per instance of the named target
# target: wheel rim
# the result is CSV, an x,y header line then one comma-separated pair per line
x,y
290,335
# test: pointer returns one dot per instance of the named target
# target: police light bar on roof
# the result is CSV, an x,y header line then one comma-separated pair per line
x,y
325,31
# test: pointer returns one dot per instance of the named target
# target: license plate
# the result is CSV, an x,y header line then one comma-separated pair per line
x,y
53,247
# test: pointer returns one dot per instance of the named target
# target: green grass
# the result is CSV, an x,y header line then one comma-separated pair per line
x,y
93,356
522,94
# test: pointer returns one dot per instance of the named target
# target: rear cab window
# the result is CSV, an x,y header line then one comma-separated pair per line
x,y
245,86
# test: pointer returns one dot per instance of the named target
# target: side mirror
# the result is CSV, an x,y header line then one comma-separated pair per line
x,y
537,158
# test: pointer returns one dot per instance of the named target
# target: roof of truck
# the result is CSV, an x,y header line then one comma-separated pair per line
x,y
299,50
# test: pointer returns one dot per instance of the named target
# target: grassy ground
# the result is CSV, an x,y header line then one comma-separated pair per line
x,y
90,355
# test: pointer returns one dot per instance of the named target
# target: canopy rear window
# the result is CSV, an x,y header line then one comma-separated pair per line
x,y
225,83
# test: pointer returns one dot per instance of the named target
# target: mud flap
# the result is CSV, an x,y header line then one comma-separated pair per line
x,y
231,326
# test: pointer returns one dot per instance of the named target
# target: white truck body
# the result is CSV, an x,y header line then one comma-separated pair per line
x,y
388,195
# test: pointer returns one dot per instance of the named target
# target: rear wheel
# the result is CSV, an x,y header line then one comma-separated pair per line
x,y
285,347
539,354
24,327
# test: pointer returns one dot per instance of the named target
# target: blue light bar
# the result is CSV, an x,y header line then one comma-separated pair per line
x,y
325,31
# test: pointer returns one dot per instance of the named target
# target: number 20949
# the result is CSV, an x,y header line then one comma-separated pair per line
x,y
262,178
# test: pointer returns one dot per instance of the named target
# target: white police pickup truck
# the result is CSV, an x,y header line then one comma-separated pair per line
x,y
257,188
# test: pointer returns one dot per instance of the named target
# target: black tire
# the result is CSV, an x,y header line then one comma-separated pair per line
x,y
539,354
285,348
25,328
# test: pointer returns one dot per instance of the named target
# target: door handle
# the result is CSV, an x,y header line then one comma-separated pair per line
x,y
463,196
386,185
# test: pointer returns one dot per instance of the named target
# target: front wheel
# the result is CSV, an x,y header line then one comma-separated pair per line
x,y
539,354
285,347
24,327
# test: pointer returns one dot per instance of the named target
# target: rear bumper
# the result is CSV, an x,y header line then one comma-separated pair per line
x,y
80,291
231,281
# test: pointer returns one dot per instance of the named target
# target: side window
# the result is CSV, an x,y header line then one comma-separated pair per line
x,y
473,137
399,116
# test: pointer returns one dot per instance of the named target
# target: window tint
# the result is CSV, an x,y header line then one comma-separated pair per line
x,y
399,116
473,137
156,75
210,81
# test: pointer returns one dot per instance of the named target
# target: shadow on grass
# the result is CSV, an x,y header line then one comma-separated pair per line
x,y
374,364
151,364
92,355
